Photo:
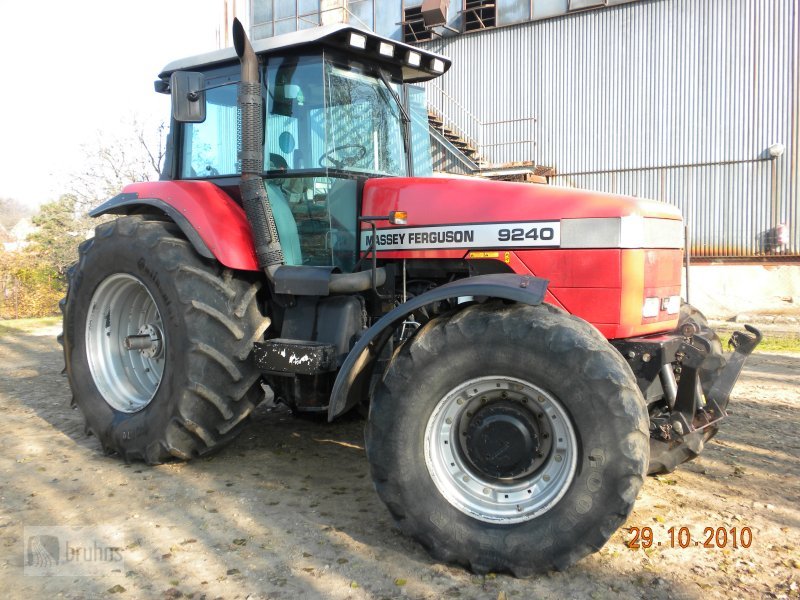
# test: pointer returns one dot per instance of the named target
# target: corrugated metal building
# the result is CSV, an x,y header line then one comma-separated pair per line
x,y
678,100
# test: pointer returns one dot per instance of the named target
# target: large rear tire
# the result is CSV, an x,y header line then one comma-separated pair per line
x,y
156,341
508,438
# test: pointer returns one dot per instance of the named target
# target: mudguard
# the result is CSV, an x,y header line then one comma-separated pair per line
x,y
211,220
353,379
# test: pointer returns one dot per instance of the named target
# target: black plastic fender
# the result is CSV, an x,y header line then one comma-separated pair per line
x,y
125,204
353,379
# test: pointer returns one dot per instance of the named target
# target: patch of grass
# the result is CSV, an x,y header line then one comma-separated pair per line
x,y
779,344
27,325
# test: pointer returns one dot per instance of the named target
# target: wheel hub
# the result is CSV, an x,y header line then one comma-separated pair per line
x,y
148,341
125,343
503,440
500,449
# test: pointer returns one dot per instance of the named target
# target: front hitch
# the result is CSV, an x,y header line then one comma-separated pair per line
x,y
743,345
693,411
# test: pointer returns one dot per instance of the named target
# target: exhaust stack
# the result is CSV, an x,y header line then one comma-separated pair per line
x,y
251,154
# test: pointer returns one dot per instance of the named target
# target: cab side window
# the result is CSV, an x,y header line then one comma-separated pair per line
x,y
209,148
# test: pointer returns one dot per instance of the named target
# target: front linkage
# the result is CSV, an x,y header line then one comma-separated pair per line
x,y
694,396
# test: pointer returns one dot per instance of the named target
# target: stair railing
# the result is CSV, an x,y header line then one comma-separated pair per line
x,y
470,128
470,131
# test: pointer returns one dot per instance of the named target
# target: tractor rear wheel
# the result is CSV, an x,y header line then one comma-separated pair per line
x,y
508,438
156,341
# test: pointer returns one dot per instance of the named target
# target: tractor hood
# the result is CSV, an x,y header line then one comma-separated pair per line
x,y
450,213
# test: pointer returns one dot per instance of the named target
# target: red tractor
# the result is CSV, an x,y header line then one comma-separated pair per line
x,y
522,349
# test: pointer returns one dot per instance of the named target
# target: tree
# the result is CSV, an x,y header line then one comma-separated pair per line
x,y
32,280
61,226
117,159
29,287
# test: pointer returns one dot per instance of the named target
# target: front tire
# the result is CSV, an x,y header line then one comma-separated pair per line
x,y
156,342
508,438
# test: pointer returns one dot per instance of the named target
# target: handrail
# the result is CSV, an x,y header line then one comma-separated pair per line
x,y
468,163
474,131
456,102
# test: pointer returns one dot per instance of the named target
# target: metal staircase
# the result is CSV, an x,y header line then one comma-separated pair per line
x,y
456,151
457,139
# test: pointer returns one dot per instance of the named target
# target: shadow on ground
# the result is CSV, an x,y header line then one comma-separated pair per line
x,y
289,511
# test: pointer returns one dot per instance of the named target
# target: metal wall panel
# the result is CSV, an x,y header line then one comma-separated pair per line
x,y
719,202
672,99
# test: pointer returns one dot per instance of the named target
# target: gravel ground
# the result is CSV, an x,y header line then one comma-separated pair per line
x,y
288,511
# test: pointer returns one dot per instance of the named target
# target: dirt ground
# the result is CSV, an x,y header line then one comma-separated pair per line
x,y
288,511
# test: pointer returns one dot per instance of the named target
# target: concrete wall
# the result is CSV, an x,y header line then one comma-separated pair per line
x,y
727,291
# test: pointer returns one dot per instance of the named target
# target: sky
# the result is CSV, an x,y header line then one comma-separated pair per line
x,y
73,71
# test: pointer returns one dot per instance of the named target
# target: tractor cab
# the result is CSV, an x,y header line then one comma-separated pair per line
x,y
340,106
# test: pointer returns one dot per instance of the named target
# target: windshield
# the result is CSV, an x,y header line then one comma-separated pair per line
x,y
332,116
320,115
329,124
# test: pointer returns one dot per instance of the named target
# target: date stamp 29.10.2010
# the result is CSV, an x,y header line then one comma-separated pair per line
x,y
682,537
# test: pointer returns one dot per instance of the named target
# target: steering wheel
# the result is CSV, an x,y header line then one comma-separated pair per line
x,y
357,153
277,163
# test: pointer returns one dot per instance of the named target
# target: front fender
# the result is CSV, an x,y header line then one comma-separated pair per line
x,y
352,381
211,220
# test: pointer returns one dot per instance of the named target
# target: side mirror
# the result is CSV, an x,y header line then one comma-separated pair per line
x,y
188,96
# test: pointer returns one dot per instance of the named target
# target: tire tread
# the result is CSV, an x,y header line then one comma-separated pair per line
x,y
566,336
220,311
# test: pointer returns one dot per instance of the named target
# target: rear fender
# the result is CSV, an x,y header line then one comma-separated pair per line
x,y
353,379
211,220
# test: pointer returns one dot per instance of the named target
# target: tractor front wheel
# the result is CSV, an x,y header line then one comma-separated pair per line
x,y
508,438
156,341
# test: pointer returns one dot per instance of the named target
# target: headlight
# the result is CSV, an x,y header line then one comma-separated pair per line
x,y
672,305
651,307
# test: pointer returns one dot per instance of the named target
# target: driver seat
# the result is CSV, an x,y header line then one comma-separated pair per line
x,y
286,225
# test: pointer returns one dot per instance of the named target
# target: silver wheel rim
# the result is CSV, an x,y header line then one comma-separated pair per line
x,y
491,499
125,344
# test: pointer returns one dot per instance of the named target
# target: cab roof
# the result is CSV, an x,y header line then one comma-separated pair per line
x,y
417,64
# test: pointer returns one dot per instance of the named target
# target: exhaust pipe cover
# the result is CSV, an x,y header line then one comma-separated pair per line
x,y
251,155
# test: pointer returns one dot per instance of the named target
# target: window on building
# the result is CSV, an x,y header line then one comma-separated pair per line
x,y
305,7
543,9
274,17
308,21
285,10
479,14
262,11
579,4
512,11
361,13
414,29
388,20
285,26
